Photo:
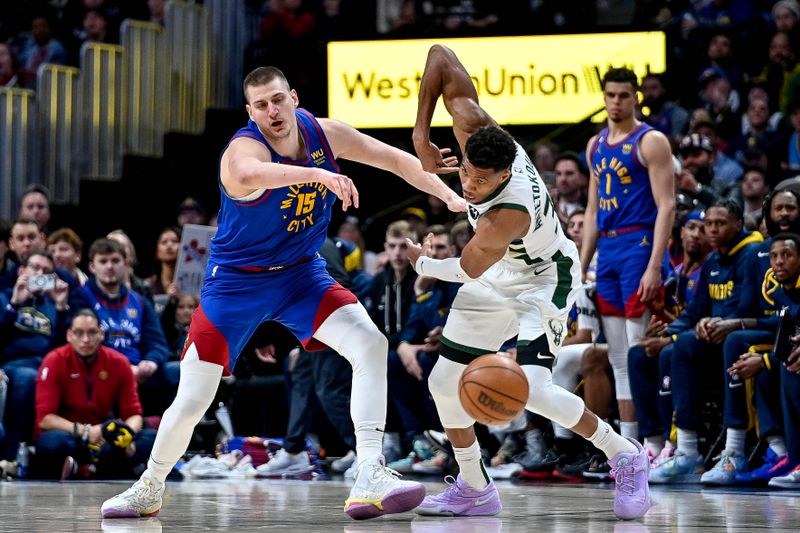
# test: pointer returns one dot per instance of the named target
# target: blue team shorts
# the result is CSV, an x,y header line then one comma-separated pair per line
x,y
621,262
233,303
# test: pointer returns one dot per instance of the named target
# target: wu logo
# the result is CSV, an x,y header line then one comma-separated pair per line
x,y
473,213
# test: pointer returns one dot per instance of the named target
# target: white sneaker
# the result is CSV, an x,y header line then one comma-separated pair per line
x,y
350,473
344,463
284,463
378,490
504,471
141,500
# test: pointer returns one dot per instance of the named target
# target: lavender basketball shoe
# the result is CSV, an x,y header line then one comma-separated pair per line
x,y
632,495
459,499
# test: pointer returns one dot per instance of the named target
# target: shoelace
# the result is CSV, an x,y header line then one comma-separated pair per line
x,y
722,459
624,476
452,486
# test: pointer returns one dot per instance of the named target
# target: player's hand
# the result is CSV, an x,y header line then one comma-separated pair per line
x,y
342,186
701,328
266,354
415,250
146,369
656,328
649,285
718,330
793,361
433,340
457,204
748,365
433,158
653,345
407,353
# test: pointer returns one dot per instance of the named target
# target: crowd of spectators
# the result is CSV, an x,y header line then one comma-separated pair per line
x,y
731,109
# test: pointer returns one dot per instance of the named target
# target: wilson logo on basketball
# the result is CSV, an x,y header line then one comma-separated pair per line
x,y
487,401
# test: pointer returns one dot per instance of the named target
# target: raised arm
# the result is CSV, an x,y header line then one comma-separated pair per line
x,y
445,76
349,143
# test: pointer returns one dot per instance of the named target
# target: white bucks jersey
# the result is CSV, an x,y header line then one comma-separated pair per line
x,y
545,242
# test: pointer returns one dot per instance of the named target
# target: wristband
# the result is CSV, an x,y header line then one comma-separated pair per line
x,y
443,269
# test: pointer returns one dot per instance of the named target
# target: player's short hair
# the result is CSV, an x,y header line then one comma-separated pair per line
x,y
787,236
68,236
732,206
621,75
262,76
491,147
105,246
400,229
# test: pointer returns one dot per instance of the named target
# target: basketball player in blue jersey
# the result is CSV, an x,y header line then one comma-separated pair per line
x,y
631,208
520,275
279,180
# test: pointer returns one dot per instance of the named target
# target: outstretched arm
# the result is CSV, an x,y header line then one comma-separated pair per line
x,y
349,143
494,232
445,76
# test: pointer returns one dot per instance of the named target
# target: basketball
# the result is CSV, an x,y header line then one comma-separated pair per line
x,y
493,389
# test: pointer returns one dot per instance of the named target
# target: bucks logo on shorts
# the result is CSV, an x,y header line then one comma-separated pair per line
x,y
557,328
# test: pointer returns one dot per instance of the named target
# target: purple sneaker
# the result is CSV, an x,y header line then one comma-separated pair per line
x,y
459,499
632,495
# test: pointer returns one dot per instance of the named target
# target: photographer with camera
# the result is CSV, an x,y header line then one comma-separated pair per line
x,y
33,318
79,385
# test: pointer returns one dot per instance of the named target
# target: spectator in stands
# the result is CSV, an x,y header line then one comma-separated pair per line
x,y
9,67
35,203
697,175
460,234
131,325
722,102
782,73
418,221
6,263
131,280
759,131
785,15
572,184
754,190
725,168
412,362
543,155
175,322
190,211
39,47
664,115
350,231
33,318
721,55
722,298
87,408
67,249
793,153
162,282
397,18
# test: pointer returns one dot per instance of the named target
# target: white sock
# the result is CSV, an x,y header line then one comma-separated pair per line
x,y
655,444
734,443
687,443
471,466
369,443
629,429
609,441
778,444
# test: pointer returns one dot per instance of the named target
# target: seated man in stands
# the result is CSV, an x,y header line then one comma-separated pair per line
x,y
33,317
131,326
78,387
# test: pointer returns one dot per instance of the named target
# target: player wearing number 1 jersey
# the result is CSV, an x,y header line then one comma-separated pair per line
x,y
629,217
520,276
278,180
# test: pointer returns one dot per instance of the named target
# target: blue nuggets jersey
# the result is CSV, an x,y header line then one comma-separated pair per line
x,y
281,226
625,198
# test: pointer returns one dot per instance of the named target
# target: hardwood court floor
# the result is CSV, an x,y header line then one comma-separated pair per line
x,y
316,506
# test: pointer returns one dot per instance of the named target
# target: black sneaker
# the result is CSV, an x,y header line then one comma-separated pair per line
x,y
598,469
574,471
543,468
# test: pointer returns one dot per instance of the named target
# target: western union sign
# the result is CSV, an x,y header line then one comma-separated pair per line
x,y
520,80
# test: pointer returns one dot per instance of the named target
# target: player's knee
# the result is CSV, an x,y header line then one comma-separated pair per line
x,y
595,359
550,400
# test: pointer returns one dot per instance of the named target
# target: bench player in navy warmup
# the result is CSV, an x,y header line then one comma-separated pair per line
x,y
279,179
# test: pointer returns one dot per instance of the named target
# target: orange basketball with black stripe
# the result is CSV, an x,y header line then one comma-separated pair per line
x,y
493,389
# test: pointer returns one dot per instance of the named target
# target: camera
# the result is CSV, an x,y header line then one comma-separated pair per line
x,y
42,282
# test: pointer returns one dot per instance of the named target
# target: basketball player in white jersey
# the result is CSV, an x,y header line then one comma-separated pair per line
x,y
520,275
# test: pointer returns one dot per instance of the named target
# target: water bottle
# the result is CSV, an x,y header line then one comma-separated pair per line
x,y
22,460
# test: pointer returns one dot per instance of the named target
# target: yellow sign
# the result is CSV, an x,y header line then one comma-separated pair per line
x,y
520,80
